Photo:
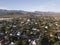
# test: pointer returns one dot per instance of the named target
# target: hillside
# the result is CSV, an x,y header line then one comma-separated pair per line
x,y
21,12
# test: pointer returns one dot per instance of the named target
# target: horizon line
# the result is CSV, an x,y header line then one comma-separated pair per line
x,y
30,10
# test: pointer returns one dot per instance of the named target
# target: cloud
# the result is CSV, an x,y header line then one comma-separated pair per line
x,y
45,8
3,8
51,8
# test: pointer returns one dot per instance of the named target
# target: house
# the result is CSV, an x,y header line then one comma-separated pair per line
x,y
2,42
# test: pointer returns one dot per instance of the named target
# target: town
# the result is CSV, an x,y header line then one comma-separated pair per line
x,y
30,30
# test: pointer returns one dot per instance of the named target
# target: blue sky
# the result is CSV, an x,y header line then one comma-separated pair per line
x,y
31,5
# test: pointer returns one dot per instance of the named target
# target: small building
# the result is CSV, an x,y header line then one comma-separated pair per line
x,y
2,42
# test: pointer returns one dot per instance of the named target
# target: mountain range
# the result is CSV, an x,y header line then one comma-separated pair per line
x,y
22,12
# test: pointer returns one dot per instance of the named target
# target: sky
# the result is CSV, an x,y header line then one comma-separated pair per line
x,y
31,5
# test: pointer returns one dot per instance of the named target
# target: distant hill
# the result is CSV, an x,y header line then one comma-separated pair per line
x,y
21,12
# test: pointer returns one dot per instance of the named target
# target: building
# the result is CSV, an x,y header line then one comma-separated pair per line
x,y
2,42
